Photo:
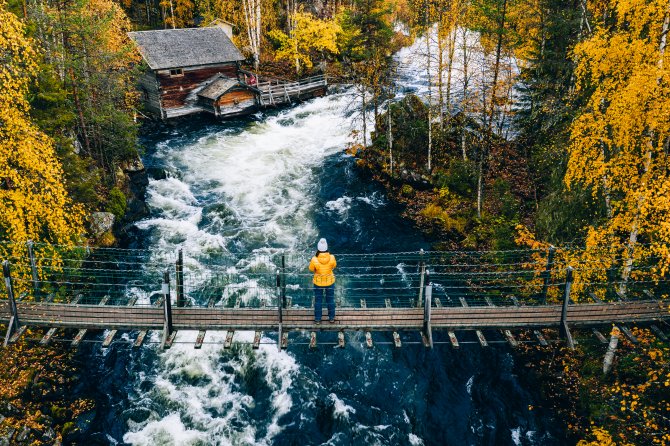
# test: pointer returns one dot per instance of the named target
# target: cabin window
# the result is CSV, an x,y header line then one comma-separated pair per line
x,y
176,72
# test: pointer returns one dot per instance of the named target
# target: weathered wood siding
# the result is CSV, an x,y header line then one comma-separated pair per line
x,y
150,91
175,89
235,102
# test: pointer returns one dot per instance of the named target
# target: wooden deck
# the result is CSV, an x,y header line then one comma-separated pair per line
x,y
277,92
369,319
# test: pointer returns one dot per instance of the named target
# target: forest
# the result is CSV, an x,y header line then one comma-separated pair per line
x,y
542,122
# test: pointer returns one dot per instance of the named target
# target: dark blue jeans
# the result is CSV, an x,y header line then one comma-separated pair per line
x,y
318,301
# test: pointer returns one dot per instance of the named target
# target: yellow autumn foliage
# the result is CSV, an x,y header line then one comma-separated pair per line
x,y
311,34
619,141
34,204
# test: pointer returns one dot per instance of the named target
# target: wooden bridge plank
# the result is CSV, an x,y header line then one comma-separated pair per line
x,y
657,331
200,339
79,337
140,339
17,334
54,315
540,338
48,336
480,335
108,339
257,340
599,336
453,339
229,339
170,340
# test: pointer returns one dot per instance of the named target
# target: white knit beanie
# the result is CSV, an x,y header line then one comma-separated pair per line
x,y
323,245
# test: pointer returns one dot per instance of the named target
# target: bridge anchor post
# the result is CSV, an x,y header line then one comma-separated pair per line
x,y
563,328
167,310
427,330
14,314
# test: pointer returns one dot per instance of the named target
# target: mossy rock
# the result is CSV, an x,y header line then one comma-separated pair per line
x,y
407,190
59,413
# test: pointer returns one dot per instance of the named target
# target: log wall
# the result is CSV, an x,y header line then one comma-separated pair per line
x,y
175,89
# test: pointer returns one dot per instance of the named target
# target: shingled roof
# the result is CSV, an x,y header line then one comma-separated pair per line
x,y
188,47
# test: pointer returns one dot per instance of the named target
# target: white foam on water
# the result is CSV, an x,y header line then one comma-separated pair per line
x,y
468,385
340,409
516,435
415,440
169,431
340,206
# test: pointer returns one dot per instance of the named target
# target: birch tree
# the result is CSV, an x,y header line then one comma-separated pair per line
x,y
252,19
623,132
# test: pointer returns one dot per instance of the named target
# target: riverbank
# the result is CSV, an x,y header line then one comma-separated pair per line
x,y
38,405
628,405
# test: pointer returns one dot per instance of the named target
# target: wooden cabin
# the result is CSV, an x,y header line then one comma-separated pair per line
x,y
183,62
196,70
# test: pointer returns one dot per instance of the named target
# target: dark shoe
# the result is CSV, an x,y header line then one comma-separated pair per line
x,y
332,321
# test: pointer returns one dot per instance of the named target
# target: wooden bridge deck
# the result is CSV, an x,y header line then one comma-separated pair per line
x,y
276,92
370,319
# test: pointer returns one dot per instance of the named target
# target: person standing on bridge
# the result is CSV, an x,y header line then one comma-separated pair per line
x,y
322,265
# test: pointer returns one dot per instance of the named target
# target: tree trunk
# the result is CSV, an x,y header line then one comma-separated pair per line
x,y
466,85
430,102
632,237
496,67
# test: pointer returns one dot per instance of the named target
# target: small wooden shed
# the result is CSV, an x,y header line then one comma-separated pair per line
x,y
185,62
225,96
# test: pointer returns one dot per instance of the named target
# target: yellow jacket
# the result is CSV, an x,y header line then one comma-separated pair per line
x,y
322,267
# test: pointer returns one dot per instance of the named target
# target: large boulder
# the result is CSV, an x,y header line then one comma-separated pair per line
x,y
101,223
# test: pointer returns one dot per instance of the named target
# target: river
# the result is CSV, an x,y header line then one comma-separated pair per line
x,y
280,181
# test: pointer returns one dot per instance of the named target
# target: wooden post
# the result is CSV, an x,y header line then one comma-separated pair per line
x,y
279,308
283,279
564,329
33,269
167,309
179,278
426,316
422,279
547,273
14,314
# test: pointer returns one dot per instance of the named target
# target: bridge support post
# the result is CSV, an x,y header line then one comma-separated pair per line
x,y
422,279
547,273
167,309
14,314
179,278
279,309
33,269
283,280
427,330
564,329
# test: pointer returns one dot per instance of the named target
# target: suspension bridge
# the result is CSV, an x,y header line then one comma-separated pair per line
x,y
73,293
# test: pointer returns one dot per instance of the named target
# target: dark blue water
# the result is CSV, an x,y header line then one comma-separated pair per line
x,y
281,181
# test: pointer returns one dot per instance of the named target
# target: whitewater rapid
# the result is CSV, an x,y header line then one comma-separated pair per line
x,y
249,188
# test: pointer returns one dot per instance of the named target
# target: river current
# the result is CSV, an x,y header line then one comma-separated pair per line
x,y
281,180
